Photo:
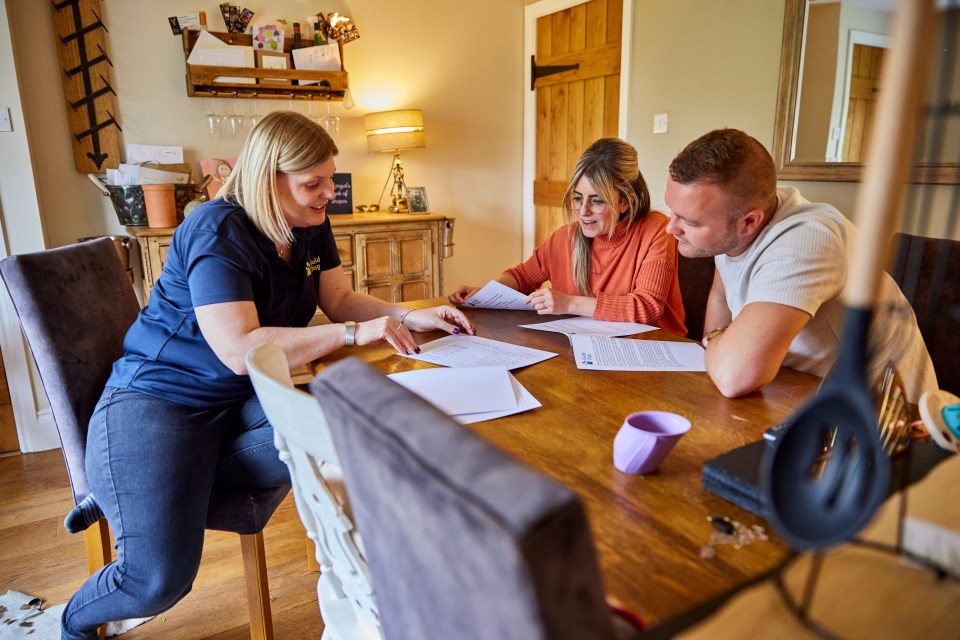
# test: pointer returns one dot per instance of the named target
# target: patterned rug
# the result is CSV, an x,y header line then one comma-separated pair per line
x,y
22,616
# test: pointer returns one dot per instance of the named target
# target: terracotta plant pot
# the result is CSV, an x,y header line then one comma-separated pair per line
x,y
161,205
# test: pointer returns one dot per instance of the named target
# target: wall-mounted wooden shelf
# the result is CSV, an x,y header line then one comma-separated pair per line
x,y
200,78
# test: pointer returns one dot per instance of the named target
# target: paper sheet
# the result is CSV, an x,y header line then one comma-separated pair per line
x,y
525,402
211,50
139,153
474,351
494,295
589,326
462,389
618,354
325,57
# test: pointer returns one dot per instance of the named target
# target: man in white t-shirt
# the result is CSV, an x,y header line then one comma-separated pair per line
x,y
781,267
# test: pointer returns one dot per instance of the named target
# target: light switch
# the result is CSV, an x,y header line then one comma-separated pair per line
x,y
660,123
5,124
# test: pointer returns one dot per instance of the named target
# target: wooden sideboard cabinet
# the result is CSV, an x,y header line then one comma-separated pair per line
x,y
392,256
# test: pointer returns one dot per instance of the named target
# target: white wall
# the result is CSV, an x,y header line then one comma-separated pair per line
x,y
706,64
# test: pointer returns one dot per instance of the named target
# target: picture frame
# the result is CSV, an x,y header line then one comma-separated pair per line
x,y
273,60
417,200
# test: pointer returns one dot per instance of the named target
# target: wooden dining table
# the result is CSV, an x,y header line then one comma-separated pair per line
x,y
648,529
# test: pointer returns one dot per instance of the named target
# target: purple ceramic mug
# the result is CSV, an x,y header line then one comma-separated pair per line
x,y
645,439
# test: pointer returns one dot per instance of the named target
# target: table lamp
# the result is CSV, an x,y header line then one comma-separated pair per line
x,y
393,131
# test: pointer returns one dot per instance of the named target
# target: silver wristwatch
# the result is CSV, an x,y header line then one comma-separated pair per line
x,y
351,335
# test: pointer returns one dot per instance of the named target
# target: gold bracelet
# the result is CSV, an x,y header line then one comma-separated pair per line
x,y
713,334
404,316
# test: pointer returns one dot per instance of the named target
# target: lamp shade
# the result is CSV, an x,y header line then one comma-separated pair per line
x,y
394,130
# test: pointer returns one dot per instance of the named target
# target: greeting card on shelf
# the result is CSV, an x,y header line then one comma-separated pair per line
x,y
268,38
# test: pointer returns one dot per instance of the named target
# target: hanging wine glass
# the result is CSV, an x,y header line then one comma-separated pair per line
x,y
255,118
347,99
310,115
235,120
330,122
213,120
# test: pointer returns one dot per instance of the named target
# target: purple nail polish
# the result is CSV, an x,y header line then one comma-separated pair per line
x,y
457,331
418,349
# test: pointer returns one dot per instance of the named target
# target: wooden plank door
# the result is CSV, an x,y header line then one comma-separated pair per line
x,y
864,90
576,106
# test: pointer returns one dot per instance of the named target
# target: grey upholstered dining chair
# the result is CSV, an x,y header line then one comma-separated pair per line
x,y
75,305
463,541
696,279
928,272
302,436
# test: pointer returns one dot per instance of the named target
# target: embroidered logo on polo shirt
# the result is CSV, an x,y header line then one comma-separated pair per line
x,y
313,264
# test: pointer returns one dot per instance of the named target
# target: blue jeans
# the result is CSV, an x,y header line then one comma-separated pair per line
x,y
152,465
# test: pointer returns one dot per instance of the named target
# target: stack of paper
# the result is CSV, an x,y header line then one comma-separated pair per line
x,y
469,394
129,174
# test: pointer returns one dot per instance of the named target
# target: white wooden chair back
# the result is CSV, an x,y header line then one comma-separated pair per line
x,y
301,435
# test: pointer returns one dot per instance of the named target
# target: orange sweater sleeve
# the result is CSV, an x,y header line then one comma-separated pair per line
x,y
550,261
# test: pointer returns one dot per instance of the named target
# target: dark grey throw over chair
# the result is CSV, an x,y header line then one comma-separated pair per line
x,y
928,272
462,540
75,305
696,279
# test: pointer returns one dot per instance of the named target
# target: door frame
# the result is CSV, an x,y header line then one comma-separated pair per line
x,y
531,13
19,233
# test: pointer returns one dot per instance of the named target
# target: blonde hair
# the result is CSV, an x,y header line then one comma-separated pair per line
x,y
282,142
611,167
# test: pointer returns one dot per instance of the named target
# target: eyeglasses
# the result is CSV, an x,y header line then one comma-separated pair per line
x,y
595,204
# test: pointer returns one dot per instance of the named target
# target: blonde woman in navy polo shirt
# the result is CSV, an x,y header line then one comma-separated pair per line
x,y
178,416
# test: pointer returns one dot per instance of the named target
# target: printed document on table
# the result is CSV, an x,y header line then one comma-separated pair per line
x,y
494,295
436,385
462,389
618,354
589,326
474,351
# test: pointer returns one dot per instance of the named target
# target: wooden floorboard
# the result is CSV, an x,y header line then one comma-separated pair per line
x,y
37,556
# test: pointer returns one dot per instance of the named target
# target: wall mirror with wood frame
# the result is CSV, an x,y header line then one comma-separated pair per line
x,y
833,52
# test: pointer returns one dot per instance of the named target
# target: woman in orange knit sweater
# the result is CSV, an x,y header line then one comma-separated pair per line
x,y
614,260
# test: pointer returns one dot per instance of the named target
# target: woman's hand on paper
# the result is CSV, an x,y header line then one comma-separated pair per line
x,y
444,317
550,302
386,329
459,297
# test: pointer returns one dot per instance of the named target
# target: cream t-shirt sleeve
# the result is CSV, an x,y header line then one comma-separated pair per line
x,y
802,264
